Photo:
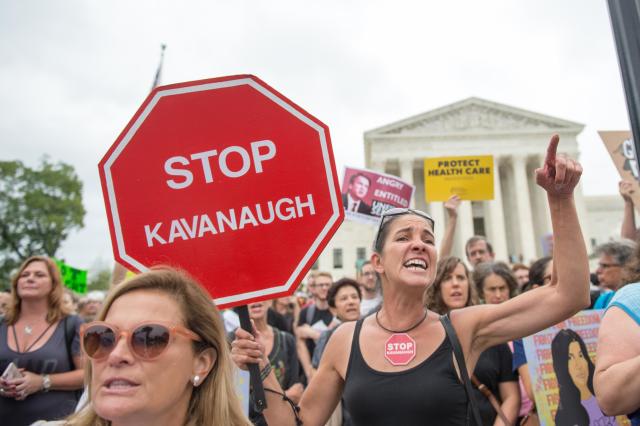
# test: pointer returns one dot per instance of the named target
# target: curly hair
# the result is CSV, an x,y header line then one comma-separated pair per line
x,y
484,270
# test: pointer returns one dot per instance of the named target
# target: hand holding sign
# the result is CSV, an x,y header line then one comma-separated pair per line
x,y
560,174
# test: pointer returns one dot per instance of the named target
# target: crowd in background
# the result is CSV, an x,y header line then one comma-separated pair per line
x,y
298,328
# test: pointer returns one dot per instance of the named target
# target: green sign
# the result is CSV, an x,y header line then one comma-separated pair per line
x,y
75,279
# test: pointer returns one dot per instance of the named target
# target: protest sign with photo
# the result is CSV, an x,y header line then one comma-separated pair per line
x,y
623,153
367,194
469,177
561,362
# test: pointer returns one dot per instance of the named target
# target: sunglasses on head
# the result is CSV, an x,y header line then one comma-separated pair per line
x,y
146,341
399,211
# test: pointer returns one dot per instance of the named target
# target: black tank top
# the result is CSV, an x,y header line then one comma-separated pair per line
x,y
427,394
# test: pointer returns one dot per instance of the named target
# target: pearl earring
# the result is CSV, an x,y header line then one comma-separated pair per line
x,y
196,380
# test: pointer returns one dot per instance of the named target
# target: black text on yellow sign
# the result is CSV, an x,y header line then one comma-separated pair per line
x,y
469,177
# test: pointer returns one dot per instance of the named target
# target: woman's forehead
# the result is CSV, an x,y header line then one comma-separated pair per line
x,y
410,221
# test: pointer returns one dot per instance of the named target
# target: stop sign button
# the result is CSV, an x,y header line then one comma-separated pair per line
x,y
227,179
400,349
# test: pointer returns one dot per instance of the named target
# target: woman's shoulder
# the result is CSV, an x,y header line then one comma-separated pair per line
x,y
49,423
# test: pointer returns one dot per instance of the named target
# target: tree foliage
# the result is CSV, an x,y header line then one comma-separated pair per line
x,y
38,210
99,280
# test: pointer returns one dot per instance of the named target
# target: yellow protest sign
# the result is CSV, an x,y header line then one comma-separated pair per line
x,y
470,177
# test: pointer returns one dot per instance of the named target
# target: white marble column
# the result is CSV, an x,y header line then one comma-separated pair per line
x,y
523,203
436,210
406,174
498,234
465,222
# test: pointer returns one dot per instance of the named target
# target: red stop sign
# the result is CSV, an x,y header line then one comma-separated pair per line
x,y
400,349
227,179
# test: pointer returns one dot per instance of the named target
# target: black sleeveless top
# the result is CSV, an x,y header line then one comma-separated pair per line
x,y
428,394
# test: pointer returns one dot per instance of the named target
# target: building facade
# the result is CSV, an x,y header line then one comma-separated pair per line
x,y
516,221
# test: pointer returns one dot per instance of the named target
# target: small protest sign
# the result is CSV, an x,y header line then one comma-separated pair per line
x,y
73,278
469,177
561,362
623,153
367,194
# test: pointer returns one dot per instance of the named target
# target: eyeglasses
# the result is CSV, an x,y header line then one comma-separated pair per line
x,y
368,274
399,212
146,341
607,265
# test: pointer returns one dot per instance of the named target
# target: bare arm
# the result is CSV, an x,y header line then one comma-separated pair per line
x,y
523,371
304,357
510,397
568,292
628,219
324,390
31,383
616,380
451,205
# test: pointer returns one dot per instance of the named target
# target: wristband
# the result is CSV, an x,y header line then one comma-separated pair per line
x,y
264,373
46,383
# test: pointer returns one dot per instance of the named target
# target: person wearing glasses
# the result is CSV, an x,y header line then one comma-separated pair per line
x,y
157,356
40,337
371,296
612,257
396,367
313,320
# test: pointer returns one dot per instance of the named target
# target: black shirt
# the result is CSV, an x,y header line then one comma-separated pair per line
x,y
494,366
318,314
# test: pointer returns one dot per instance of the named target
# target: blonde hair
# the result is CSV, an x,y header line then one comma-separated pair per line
x,y
214,402
56,309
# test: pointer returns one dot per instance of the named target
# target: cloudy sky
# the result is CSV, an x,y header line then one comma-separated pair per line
x,y
73,73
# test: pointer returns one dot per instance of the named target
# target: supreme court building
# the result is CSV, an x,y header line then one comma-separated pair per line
x,y
516,221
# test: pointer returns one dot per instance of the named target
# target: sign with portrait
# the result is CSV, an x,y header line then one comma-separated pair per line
x,y
623,153
561,362
367,194
469,177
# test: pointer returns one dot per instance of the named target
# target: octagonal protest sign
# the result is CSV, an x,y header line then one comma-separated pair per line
x,y
227,179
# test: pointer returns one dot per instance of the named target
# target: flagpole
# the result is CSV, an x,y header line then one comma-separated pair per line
x,y
158,77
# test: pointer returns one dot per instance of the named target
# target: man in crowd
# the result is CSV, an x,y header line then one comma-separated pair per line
x,y
478,250
357,189
612,257
89,306
313,320
521,272
371,295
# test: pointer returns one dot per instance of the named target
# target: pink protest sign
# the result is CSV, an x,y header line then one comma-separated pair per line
x,y
367,194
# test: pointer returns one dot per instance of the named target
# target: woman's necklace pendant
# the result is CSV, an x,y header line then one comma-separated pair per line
x,y
400,349
28,330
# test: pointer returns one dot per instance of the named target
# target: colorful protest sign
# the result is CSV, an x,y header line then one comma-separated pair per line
x,y
367,194
75,279
623,153
469,177
563,357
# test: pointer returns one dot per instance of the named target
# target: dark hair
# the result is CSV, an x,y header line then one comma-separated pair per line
x,y
483,270
335,287
353,178
475,239
383,228
570,410
537,270
433,296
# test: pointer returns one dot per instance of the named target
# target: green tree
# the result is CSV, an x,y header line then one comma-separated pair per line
x,y
38,209
99,280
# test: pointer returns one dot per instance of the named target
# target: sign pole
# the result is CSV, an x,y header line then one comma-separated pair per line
x,y
625,21
254,370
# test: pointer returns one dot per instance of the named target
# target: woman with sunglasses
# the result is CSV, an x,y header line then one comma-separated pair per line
x,y
396,367
40,337
157,356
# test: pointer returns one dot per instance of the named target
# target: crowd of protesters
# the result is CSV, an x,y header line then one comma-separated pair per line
x,y
319,351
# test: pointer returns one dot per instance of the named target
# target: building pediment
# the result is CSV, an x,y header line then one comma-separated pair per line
x,y
474,116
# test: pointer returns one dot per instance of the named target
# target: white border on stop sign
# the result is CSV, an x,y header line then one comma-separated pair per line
x,y
213,86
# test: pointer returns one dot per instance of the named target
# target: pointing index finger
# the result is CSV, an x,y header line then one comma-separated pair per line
x,y
550,160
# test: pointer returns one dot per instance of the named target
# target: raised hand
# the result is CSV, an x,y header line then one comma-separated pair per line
x,y
626,190
560,174
452,205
